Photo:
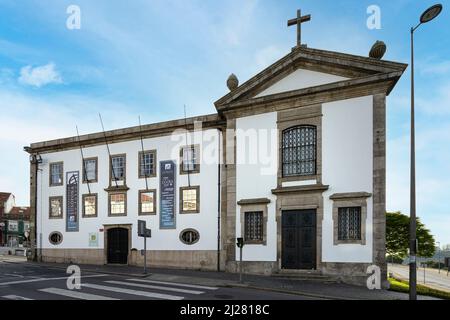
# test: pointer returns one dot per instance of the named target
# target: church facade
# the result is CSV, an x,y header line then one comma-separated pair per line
x,y
293,162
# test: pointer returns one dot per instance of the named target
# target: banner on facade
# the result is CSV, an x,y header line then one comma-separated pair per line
x,y
167,198
72,181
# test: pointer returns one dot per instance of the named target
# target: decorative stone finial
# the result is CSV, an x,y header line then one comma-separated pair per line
x,y
378,50
232,82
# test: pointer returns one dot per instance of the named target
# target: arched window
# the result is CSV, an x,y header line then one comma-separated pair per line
x,y
299,151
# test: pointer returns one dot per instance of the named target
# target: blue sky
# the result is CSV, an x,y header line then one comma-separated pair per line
x,y
149,58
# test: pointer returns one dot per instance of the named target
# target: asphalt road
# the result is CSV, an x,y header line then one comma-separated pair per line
x,y
22,281
432,277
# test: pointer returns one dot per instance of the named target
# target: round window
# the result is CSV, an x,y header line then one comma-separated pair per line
x,y
55,238
189,236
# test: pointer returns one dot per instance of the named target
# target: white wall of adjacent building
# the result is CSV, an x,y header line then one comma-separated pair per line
x,y
9,204
205,222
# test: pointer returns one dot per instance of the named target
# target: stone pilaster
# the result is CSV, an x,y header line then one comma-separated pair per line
x,y
230,245
33,211
379,185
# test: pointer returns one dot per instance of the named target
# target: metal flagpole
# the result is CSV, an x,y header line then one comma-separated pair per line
x,y
186,136
84,164
109,153
143,161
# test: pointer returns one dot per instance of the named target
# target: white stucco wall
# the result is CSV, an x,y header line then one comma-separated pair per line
x,y
347,162
347,158
205,221
256,176
10,203
300,79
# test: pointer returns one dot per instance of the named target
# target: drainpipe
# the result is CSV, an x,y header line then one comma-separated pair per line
x,y
219,131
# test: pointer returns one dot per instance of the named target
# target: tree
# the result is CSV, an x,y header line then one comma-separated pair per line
x,y
397,236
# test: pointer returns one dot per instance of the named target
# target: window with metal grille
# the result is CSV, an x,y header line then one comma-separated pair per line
x,y
118,168
349,223
55,238
253,228
299,151
147,164
189,236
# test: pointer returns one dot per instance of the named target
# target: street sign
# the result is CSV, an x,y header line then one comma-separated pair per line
x,y
146,233
142,229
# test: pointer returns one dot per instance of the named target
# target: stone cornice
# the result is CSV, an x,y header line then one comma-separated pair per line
x,y
352,84
350,195
117,189
253,201
126,134
363,65
297,189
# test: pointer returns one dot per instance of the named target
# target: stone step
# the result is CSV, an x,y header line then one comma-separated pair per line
x,y
302,276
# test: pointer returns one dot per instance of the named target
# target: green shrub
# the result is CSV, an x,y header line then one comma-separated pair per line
x,y
403,286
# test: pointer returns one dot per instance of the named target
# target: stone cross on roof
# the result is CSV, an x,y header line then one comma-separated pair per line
x,y
298,21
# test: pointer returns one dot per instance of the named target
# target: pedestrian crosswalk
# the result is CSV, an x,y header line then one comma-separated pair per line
x,y
119,289
14,297
148,286
76,294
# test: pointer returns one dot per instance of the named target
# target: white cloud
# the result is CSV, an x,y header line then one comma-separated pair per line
x,y
27,119
438,68
39,76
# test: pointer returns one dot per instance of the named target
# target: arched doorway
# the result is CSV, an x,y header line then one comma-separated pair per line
x,y
118,245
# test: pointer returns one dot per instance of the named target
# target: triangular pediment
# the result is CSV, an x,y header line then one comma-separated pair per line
x,y
300,79
306,70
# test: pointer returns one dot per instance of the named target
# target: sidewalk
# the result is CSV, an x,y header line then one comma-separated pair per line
x,y
316,288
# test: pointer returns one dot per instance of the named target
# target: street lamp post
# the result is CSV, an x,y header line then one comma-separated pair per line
x,y
427,16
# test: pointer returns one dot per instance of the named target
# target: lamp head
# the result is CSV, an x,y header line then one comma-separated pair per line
x,y
431,13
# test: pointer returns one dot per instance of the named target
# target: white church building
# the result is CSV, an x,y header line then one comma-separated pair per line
x,y
293,162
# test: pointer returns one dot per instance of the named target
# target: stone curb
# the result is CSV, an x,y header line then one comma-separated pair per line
x,y
300,293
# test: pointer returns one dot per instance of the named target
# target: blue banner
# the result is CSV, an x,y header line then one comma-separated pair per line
x,y
167,195
72,195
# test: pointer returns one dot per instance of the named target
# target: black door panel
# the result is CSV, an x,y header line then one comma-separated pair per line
x,y
298,241
118,245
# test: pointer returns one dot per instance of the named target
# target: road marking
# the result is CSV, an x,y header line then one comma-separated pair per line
x,y
76,294
175,284
47,279
132,292
14,275
156,287
13,297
